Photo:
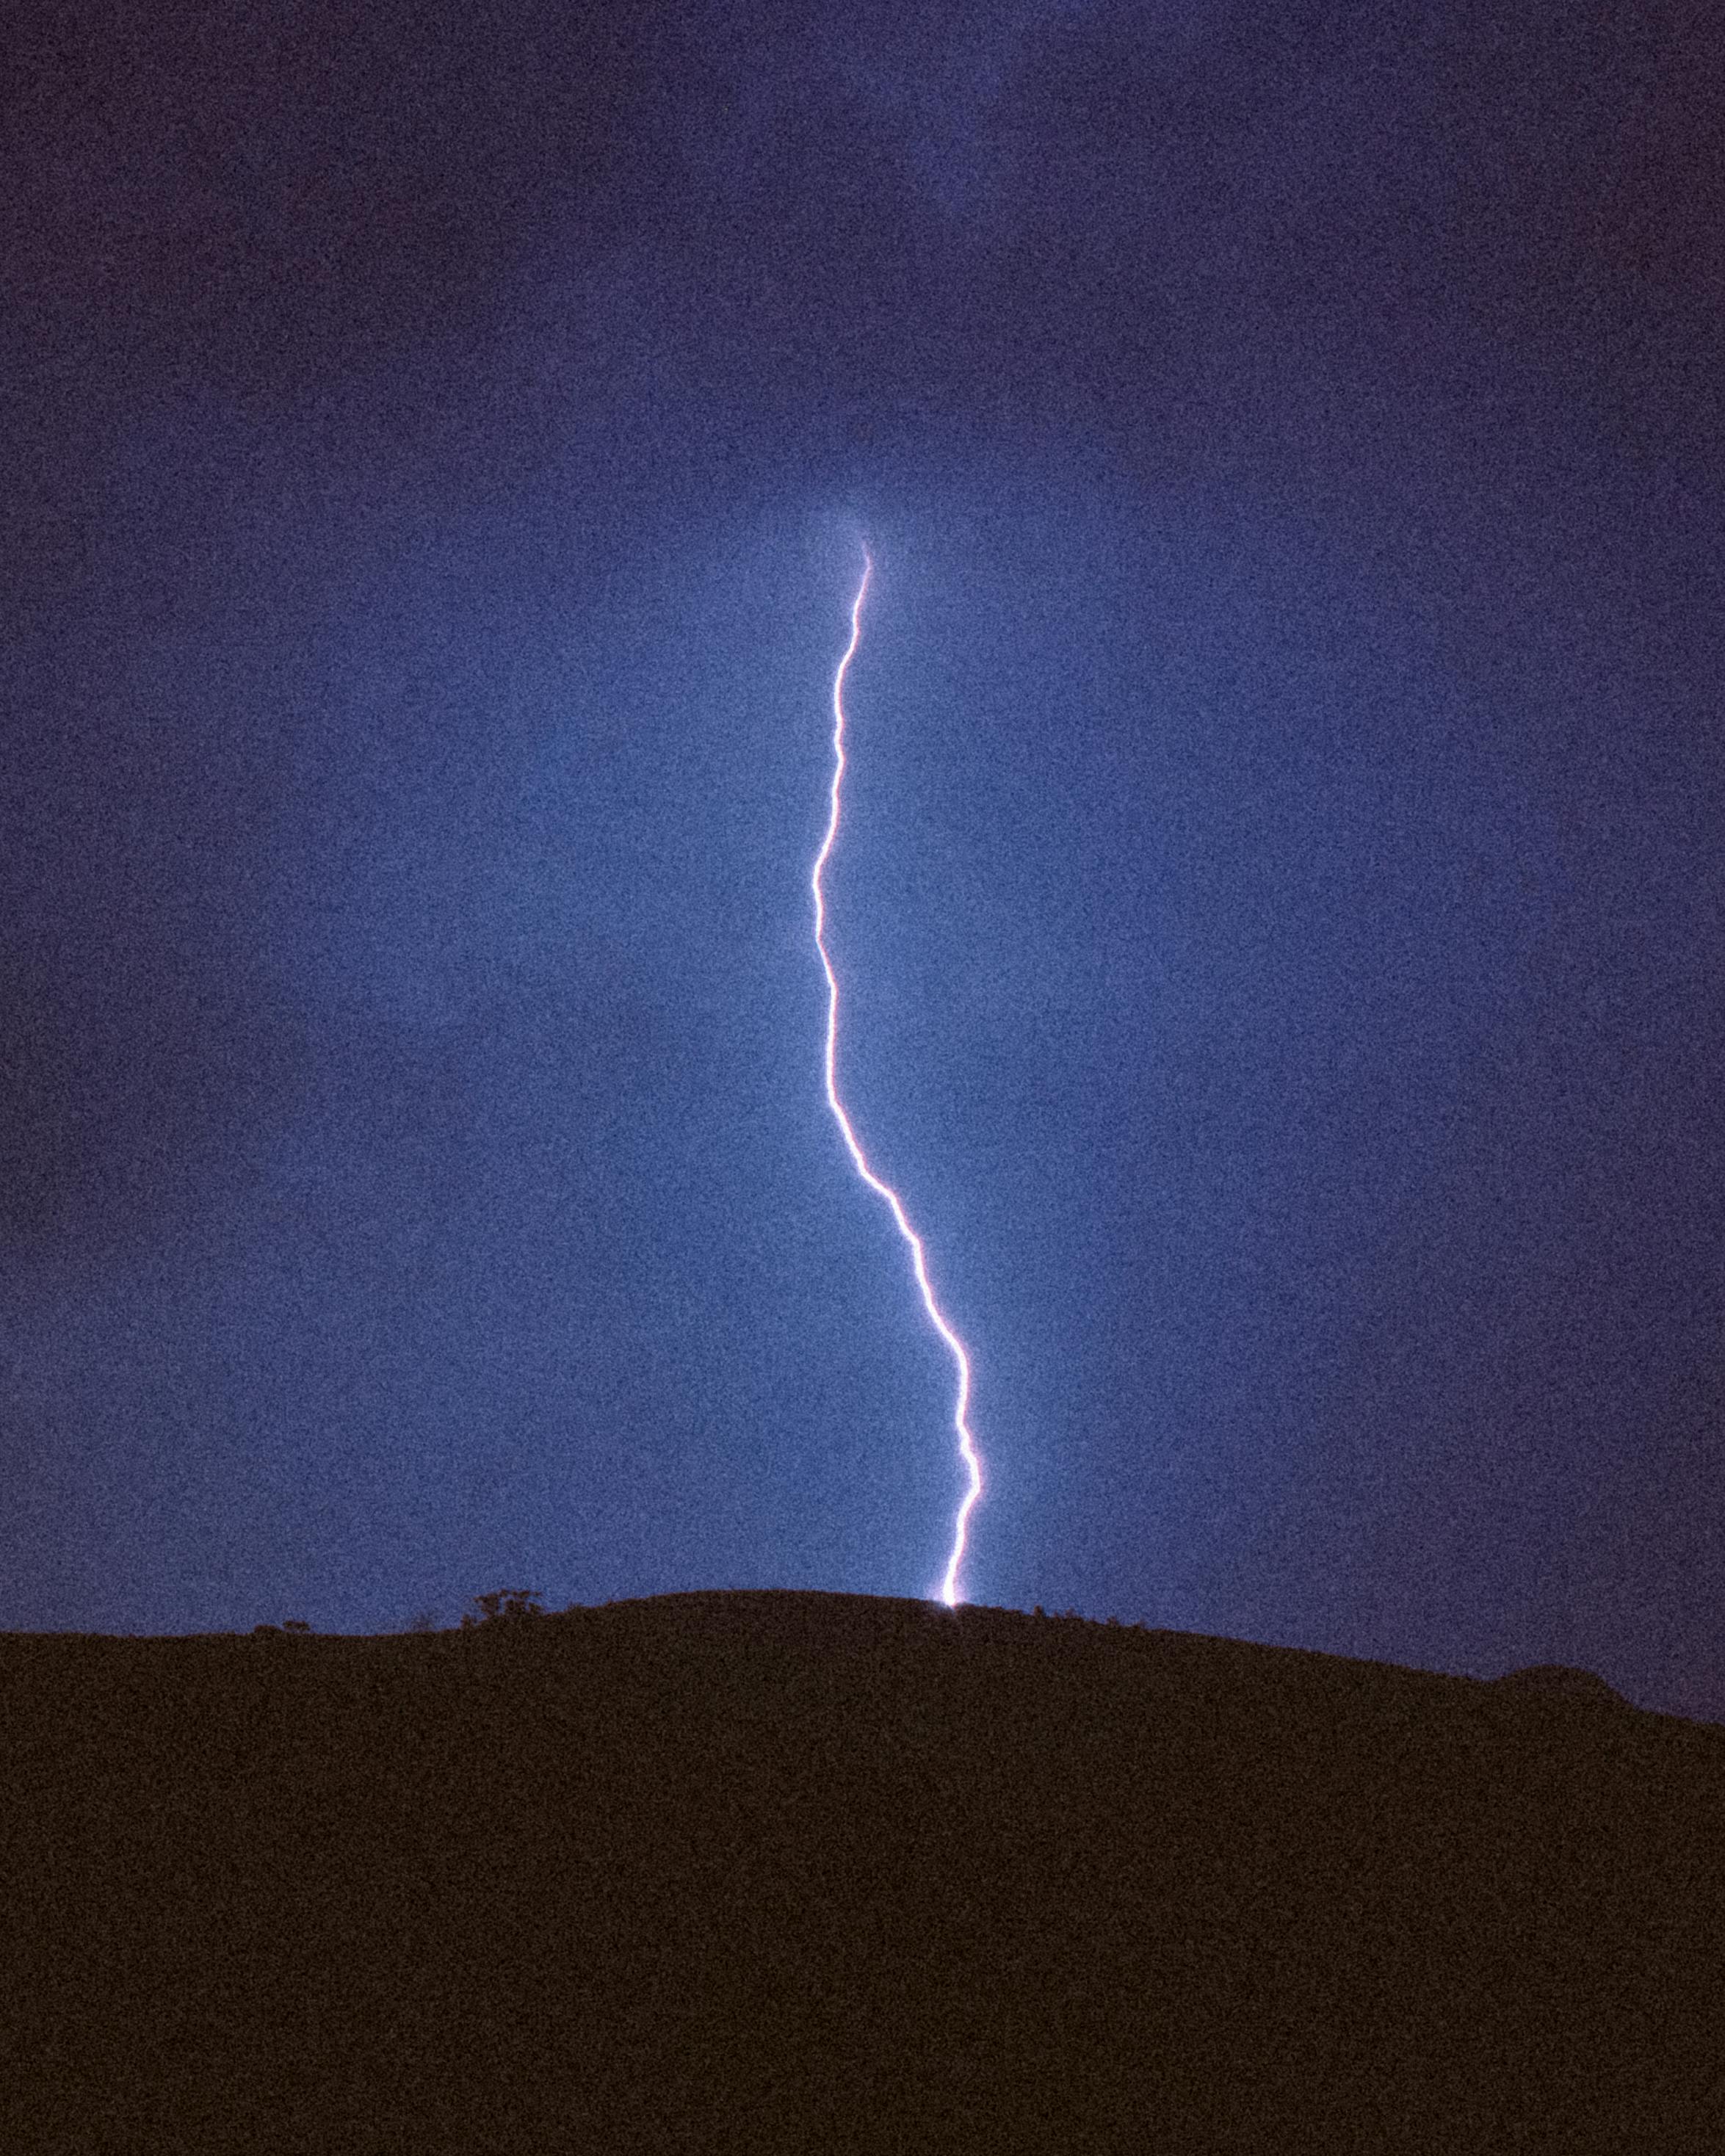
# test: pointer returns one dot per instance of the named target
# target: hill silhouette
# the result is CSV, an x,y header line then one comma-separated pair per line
x,y
762,1871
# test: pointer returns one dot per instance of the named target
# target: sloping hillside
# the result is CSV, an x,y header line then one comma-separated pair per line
x,y
765,1872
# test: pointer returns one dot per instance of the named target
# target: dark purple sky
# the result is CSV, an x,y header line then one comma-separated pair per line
x,y
1281,903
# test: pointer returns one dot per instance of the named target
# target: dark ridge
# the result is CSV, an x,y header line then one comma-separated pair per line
x,y
757,1871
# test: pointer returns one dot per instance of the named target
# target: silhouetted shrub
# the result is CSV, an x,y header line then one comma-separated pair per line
x,y
509,1604
1562,1679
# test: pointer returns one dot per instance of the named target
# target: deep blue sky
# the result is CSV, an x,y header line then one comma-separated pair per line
x,y
1281,900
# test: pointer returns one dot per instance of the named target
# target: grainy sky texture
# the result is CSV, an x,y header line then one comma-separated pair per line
x,y
1280,902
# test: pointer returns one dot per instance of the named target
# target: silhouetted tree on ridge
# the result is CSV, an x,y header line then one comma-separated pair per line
x,y
507,1605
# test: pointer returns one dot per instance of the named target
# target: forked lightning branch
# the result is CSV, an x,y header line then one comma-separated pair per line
x,y
968,1454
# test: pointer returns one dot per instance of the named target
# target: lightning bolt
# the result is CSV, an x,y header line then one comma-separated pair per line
x,y
967,1452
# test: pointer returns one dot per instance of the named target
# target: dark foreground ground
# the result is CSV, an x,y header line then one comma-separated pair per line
x,y
760,1871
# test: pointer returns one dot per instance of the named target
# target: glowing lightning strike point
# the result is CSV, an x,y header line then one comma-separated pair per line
x,y
966,1442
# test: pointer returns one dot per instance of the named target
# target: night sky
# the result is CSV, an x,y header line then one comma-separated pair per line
x,y
1280,900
